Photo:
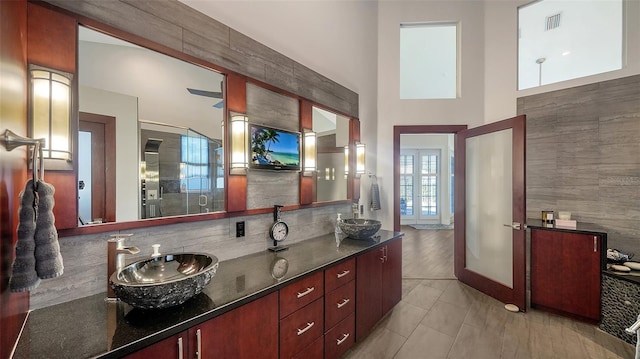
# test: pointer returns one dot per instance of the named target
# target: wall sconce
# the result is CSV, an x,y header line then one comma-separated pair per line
x,y
239,139
50,115
309,153
360,150
346,161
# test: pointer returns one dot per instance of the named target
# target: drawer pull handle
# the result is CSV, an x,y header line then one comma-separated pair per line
x,y
199,344
344,337
180,348
340,275
309,290
309,325
382,259
344,302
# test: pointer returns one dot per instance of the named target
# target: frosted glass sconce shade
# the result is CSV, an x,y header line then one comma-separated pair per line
x,y
239,138
50,115
309,153
360,150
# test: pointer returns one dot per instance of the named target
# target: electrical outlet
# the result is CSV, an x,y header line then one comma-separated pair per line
x,y
240,229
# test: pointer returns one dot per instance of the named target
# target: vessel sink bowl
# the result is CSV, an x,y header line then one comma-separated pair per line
x,y
164,281
360,228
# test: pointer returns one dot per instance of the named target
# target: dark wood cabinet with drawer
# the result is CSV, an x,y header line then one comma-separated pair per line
x,y
301,328
339,274
339,303
300,293
340,338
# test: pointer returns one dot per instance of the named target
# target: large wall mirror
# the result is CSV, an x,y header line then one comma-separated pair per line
x,y
165,118
332,131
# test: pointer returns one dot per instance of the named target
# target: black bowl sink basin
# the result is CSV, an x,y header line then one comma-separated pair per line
x,y
164,281
360,228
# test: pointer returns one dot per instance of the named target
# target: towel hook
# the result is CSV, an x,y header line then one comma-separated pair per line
x,y
11,140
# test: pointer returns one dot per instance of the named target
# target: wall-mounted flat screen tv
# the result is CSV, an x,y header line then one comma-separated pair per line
x,y
274,149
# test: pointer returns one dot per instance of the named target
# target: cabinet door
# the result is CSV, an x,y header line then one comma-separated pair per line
x,y
368,291
250,331
581,275
174,347
546,262
392,275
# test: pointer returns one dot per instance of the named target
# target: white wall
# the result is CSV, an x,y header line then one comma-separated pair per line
x,y
125,109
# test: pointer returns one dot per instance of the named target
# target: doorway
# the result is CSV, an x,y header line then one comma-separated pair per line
x,y
96,169
481,159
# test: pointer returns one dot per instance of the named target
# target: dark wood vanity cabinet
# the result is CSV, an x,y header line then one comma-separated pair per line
x,y
249,331
378,285
566,273
172,347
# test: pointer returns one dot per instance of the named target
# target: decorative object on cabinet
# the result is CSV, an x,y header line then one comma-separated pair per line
x,y
50,108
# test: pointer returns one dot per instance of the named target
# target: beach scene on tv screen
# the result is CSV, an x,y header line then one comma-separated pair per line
x,y
270,147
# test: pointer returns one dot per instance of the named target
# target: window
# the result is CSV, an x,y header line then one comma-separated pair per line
x,y
406,185
194,166
563,40
428,61
429,178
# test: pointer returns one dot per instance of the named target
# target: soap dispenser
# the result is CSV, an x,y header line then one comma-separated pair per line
x,y
338,220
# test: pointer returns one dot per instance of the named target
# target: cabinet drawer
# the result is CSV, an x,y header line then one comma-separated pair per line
x,y
300,293
340,338
339,274
300,329
339,304
313,351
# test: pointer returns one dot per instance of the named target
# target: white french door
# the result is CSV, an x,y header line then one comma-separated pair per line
x,y
420,200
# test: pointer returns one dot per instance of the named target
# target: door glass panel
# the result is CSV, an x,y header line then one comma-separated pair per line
x,y
406,185
489,244
429,176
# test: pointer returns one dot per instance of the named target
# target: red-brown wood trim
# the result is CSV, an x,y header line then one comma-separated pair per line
x,y
13,165
307,183
51,38
426,129
236,97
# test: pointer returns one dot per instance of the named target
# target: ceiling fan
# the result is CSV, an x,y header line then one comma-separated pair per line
x,y
206,93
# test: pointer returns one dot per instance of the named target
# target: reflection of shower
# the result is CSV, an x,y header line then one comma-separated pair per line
x,y
151,190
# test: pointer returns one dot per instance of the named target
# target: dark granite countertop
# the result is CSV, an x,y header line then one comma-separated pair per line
x,y
90,327
581,227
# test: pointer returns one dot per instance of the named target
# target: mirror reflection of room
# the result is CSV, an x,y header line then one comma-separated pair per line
x,y
165,116
332,131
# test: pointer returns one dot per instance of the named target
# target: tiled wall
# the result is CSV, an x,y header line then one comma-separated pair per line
x,y
85,257
583,156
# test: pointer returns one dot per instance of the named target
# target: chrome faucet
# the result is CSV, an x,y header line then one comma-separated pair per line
x,y
115,258
354,209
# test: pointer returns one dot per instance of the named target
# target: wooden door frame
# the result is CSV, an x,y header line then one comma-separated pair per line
x,y
109,123
418,129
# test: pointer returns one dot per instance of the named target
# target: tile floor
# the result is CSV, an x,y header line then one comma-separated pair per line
x,y
444,318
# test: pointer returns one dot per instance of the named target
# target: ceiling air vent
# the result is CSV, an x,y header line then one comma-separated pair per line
x,y
552,21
